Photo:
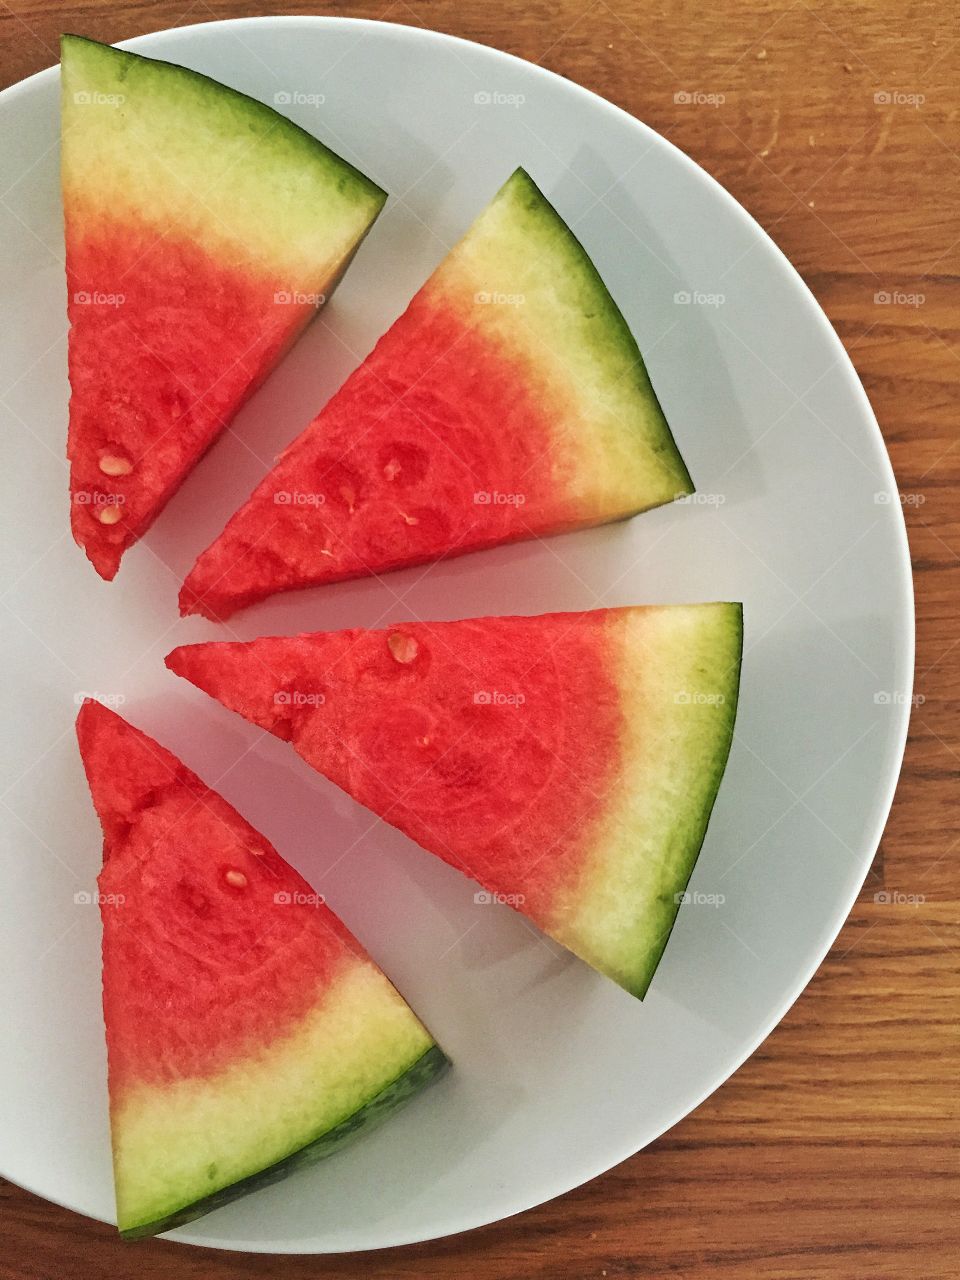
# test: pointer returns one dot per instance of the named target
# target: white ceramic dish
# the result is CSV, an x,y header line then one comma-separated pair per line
x,y
559,1075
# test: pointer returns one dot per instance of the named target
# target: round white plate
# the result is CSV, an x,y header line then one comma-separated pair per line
x,y
558,1073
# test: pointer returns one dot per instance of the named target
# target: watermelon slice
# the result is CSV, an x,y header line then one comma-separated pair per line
x,y
247,1031
202,231
509,401
568,762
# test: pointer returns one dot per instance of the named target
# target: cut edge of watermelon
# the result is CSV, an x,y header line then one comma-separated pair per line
x,y
579,326
604,448
714,660
295,217
676,670
106,547
107,67
355,1054
428,1067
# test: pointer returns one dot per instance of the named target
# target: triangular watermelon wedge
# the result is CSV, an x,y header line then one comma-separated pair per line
x,y
568,762
202,231
510,401
248,1032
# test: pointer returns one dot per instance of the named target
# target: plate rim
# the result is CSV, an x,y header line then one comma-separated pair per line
x,y
902,582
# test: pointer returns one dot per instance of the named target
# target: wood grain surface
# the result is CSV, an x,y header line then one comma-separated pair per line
x,y
833,1152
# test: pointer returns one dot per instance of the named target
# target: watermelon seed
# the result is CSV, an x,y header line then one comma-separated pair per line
x,y
109,515
392,469
404,648
409,519
235,878
113,464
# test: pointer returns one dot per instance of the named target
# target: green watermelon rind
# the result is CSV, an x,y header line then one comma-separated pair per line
x,y
313,149
427,1068
179,170
640,848
638,983
521,237
611,333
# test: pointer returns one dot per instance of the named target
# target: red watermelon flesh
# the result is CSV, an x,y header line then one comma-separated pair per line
x,y
510,401
202,231
567,762
193,338
246,1027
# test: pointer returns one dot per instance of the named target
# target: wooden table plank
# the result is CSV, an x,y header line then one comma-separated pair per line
x,y
832,1153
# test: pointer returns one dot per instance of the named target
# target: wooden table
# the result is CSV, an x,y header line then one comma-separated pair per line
x,y
832,1152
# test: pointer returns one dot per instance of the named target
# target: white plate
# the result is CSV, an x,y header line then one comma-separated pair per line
x,y
559,1074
